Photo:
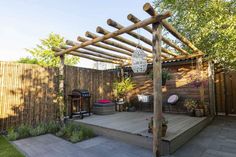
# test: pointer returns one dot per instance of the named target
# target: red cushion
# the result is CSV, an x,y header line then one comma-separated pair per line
x,y
104,101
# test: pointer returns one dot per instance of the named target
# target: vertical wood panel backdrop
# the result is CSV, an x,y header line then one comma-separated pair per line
x,y
98,82
28,93
180,83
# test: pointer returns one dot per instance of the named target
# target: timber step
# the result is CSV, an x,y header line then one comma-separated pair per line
x,y
135,134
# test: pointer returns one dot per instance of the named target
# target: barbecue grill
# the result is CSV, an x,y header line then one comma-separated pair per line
x,y
81,99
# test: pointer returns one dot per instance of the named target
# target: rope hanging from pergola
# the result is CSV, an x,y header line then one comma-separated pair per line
x,y
123,47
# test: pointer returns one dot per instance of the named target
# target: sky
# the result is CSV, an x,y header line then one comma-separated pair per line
x,y
24,22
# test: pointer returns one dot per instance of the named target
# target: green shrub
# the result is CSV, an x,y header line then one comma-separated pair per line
x,y
61,132
24,131
40,129
12,135
87,132
76,136
53,127
69,128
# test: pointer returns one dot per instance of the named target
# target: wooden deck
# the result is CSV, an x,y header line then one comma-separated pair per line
x,y
132,127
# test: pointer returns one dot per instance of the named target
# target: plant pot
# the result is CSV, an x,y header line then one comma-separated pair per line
x,y
191,113
164,129
206,110
199,112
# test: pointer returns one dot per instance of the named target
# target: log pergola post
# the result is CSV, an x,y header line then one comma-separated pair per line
x,y
61,94
157,89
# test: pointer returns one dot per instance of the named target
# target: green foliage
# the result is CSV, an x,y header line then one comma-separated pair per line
x,y
24,131
70,131
28,60
53,127
74,132
7,150
87,132
121,88
190,104
208,24
12,135
67,129
43,55
39,130
76,136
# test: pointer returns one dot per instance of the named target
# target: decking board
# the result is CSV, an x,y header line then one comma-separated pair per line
x,y
132,127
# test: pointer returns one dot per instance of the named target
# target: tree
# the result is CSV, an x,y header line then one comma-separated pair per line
x,y
28,60
209,24
43,55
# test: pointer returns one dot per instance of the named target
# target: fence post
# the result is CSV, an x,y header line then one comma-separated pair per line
x,y
211,82
61,88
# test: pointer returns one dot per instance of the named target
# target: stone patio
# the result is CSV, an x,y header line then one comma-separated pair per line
x,y
217,140
52,146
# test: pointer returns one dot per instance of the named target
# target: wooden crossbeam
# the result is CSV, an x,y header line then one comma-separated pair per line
x,y
118,26
104,46
140,24
87,56
122,39
93,53
134,19
150,10
72,43
109,42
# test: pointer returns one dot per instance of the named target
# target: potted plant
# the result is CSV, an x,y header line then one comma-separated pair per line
x,y
121,88
190,105
164,126
165,76
199,110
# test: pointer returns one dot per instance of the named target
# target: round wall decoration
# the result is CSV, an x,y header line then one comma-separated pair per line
x,y
139,62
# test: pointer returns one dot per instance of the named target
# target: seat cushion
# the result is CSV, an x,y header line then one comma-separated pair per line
x,y
173,99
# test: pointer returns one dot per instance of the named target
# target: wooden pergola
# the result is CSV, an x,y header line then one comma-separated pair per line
x,y
87,48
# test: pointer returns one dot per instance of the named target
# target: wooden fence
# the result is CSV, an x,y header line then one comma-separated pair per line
x,y
225,84
98,82
28,93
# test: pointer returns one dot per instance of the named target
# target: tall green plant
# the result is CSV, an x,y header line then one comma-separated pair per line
x,y
43,55
208,24
121,88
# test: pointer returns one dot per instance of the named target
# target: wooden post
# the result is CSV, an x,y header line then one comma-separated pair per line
x,y
201,72
225,94
157,89
211,83
61,94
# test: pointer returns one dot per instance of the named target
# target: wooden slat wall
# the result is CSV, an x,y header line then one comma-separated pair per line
x,y
179,84
98,82
27,94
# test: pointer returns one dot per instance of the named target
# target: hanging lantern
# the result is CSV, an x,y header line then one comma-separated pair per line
x,y
139,62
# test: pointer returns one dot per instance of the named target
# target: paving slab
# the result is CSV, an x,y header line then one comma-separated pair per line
x,y
217,140
51,146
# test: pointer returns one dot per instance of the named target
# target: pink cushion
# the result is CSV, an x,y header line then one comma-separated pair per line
x,y
104,101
